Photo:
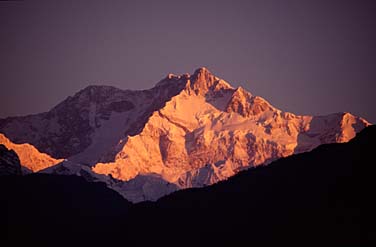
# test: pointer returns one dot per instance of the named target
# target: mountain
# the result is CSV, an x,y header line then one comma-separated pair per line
x,y
9,162
187,131
29,156
318,198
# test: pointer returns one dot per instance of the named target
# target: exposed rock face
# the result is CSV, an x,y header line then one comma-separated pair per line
x,y
187,131
9,162
245,104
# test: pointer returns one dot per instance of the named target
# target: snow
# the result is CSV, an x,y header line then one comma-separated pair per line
x,y
107,136
30,157
203,131
184,140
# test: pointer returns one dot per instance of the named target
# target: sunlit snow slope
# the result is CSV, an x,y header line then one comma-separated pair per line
x,y
187,131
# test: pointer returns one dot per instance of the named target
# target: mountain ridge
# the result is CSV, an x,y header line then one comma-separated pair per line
x,y
189,130
322,197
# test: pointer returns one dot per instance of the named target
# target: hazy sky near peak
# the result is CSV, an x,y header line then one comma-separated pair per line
x,y
306,57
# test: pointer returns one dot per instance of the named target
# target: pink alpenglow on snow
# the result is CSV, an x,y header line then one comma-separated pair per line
x,y
187,131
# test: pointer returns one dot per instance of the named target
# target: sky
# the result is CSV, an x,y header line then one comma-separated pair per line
x,y
305,57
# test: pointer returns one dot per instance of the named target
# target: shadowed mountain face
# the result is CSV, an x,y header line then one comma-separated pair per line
x,y
9,162
323,197
187,131
68,128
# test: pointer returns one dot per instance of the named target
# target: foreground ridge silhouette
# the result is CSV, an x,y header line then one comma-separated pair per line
x,y
323,197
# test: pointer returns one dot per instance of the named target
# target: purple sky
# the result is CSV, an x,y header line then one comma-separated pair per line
x,y
306,57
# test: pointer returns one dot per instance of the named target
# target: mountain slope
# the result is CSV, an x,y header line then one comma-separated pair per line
x,y
78,122
210,131
187,131
29,156
323,197
9,162
318,198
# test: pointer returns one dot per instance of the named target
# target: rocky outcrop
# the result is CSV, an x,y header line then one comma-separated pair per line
x,y
9,162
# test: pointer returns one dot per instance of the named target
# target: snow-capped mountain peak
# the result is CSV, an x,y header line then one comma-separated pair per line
x,y
187,131
202,81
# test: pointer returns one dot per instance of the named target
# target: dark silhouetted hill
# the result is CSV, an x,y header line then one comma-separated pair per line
x,y
320,198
